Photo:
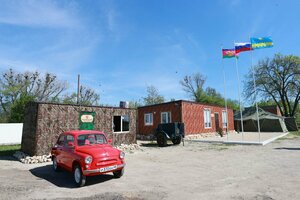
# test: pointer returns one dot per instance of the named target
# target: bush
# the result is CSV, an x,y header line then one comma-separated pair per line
x,y
220,131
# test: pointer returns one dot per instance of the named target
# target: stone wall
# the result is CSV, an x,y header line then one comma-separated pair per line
x,y
44,122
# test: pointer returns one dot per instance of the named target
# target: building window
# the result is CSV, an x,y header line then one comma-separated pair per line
x,y
148,119
224,119
207,118
165,117
121,124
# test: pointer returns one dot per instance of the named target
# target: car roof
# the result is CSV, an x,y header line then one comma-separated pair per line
x,y
79,132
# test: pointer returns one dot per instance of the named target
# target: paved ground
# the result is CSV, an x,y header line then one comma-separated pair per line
x,y
246,137
195,171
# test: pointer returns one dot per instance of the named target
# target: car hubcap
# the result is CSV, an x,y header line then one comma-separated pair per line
x,y
77,175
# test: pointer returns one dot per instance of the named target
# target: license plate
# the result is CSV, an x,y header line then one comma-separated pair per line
x,y
105,169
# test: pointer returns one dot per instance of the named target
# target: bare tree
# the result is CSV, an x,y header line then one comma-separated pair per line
x,y
87,96
193,85
278,79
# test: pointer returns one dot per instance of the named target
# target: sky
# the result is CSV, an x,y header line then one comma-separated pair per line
x,y
119,48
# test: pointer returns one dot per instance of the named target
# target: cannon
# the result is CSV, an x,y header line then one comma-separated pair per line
x,y
169,131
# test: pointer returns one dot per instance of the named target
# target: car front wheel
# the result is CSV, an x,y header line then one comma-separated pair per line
x,y
119,173
54,164
79,178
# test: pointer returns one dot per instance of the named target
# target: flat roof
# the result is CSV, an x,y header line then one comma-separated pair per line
x,y
77,105
185,101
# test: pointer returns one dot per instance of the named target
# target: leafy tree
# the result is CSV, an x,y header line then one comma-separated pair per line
x,y
277,79
153,96
18,109
13,85
134,104
87,96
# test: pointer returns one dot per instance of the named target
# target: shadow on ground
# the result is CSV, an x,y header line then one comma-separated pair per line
x,y
287,148
154,145
64,178
7,158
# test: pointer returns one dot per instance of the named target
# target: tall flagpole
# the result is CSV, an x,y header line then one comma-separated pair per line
x,y
227,121
239,90
255,94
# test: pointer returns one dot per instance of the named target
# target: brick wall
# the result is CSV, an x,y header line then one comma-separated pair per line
x,y
191,113
193,117
173,107
44,122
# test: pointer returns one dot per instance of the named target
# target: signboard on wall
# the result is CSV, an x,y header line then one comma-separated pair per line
x,y
86,120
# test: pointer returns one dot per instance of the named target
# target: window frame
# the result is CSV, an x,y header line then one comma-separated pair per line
x,y
226,118
121,125
168,114
151,117
204,118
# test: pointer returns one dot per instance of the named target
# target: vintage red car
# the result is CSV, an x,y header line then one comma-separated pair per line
x,y
87,153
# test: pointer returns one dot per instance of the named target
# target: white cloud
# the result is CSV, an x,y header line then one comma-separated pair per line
x,y
37,14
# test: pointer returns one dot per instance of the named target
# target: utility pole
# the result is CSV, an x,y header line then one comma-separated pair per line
x,y
78,88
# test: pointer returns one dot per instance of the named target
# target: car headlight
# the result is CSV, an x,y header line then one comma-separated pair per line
x,y
122,155
88,160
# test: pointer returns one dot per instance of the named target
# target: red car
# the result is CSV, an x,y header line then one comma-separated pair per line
x,y
87,153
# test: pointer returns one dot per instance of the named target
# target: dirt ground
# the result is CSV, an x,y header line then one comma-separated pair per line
x,y
193,171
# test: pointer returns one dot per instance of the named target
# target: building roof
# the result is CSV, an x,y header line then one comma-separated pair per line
x,y
180,101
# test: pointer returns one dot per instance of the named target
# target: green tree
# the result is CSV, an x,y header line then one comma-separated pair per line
x,y
153,97
277,79
18,109
13,85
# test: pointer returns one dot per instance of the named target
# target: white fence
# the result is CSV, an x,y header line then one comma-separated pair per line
x,y
11,133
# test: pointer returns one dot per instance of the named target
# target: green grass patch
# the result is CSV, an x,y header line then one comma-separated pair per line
x,y
291,136
9,150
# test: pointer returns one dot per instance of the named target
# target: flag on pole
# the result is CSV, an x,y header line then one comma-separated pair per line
x,y
229,53
242,46
263,42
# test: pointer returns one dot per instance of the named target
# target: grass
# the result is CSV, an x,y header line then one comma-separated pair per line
x,y
291,136
9,150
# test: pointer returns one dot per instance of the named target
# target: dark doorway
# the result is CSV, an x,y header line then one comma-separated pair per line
x,y
217,120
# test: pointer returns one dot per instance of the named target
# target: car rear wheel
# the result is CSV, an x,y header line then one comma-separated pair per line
x,y
119,173
161,140
79,178
177,140
54,164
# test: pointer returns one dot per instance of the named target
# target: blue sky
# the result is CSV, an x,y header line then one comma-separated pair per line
x,y
121,47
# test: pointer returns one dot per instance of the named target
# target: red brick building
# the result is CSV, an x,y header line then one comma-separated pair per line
x,y
197,117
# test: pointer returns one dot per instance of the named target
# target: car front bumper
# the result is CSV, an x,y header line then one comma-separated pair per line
x,y
103,169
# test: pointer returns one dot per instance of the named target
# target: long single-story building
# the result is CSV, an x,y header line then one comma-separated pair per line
x,y
44,122
197,117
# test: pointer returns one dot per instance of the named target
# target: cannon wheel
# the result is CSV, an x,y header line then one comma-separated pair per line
x,y
177,140
161,139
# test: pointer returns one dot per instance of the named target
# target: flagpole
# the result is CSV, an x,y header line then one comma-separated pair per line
x,y
255,94
226,110
239,91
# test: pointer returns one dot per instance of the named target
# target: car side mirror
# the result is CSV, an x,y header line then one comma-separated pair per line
x,y
71,144
110,141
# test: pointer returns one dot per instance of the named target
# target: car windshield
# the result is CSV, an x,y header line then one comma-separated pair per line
x,y
90,139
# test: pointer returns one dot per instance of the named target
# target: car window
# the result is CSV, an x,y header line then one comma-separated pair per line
x,y
61,140
69,138
90,139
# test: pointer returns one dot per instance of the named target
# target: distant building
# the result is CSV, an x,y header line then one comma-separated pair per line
x,y
197,117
